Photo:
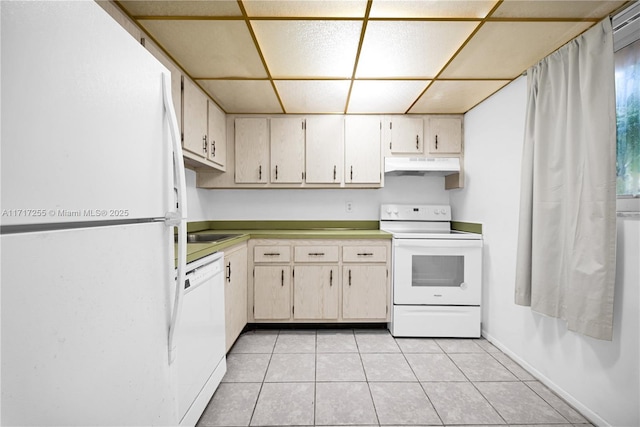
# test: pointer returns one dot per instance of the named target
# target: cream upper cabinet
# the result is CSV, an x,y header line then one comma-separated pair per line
x,y
235,292
445,135
406,135
251,150
217,134
194,120
324,149
362,155
287,150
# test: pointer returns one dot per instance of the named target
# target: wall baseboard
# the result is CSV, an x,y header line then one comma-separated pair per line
x,y
591,416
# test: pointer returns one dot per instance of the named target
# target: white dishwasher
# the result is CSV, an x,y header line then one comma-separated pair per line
x,y
200,360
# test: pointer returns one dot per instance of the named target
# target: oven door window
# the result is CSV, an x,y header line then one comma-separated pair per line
x,y
437,271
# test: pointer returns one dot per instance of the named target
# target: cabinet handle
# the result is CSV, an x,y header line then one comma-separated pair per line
x,y
213,148
282,278
351,172
436,142
260,173
229,272
276,172
204,143
272,254
334,172
365,254
349,277
417,142
316,253
330,277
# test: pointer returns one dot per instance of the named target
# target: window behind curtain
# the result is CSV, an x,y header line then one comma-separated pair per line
x,y
627,64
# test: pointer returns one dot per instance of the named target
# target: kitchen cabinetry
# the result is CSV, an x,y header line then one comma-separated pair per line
x,y
235,292
287,150
445,135
406,135
271,282
364,278
194,125
362,155
325,281
217,134
324,149
251,150
316,283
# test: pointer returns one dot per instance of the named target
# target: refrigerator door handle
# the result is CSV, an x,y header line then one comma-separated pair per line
x,y
176,218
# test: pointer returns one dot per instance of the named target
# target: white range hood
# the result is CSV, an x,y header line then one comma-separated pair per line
x,y
439,166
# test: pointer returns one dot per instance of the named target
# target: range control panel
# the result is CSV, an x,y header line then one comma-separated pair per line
x,y
415,213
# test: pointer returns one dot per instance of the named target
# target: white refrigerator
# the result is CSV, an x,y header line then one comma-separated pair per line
x,y
92,191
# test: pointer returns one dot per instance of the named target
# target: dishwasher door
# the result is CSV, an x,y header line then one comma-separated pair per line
x,y
200,358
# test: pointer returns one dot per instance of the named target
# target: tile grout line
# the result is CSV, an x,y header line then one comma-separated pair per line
x,y
264,377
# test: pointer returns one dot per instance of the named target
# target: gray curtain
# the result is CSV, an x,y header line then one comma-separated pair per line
x,y
567,234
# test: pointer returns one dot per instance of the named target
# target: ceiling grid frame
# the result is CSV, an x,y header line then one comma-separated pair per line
x,y
592,17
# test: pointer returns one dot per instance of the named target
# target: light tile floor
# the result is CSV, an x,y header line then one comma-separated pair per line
x,y
368,378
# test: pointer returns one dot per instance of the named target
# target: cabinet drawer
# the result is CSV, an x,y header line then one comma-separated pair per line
x,y
364,254
316,253
272,254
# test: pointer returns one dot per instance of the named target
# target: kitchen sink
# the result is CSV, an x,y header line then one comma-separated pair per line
x,y
208,238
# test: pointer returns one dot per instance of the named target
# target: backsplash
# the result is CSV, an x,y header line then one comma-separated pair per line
x,y
307,204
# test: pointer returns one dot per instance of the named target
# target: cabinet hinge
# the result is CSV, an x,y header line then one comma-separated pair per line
x,y
390,125
143,41
181,85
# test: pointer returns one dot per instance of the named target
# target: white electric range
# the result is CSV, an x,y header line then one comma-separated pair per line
x,y
437,273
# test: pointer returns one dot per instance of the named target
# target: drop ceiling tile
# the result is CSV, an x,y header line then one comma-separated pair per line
x,y
409,49
555,9
506,49
209,48
430,9
299,49
384,96
455,97
243,96
300,8
313,96
182,8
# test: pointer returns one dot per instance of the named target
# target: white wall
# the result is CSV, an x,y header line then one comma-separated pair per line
x,y
599,378
310,204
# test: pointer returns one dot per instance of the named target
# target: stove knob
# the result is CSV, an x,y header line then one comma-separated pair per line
x,y
436,212
388,211
443,211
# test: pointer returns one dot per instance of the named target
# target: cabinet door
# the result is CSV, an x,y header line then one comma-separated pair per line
x,y
362,150
287,150
325,152
194,121
235,294
406,135
364,292
252,150
315,292
272,292
445,135
217,131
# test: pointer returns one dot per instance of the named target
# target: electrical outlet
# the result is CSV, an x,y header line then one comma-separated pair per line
x,y
348,206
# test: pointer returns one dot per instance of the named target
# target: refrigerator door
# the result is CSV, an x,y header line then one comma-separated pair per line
x,y
84,131
85,314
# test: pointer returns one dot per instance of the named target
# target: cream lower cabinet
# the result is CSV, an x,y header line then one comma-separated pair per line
x,y
324,281
315,292
235,292
315,284
365,290
271,282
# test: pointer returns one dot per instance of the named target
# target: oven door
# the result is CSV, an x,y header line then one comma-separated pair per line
x,y
437,271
